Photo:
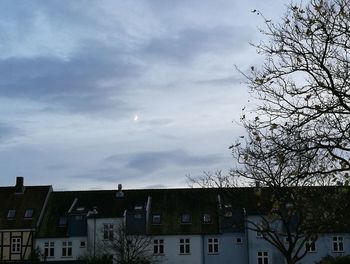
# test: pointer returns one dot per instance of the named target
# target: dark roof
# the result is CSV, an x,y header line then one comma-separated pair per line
x,y
33,198
172,203
106,203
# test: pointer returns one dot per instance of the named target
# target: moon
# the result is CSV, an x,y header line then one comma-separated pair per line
x,y
136,117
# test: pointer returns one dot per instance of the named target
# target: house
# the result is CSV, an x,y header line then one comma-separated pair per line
x,y
174,225
21,211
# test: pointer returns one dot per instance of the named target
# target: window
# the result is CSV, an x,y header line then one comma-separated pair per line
x,y
108,231
239,240
185,218
16,245
310,246
137,216
185,246
62,221
263,257
78,217
156,219
49,249
82,244
338,245
227,210
158,246
213,245
28,213
206,218
66,249
11,213
138,207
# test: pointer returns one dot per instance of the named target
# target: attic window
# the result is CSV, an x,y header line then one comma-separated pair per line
x,y
227,210
28,213
156,219
62,221
206,218
80,209
185,218
138,207
11,213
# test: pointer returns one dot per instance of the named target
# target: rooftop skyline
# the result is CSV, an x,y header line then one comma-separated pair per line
x,y
96,93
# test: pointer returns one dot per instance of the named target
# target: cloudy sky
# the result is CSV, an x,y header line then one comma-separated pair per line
x,y
95,92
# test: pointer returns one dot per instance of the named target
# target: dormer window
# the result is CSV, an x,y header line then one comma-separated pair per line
x,y
227,210
28,214
185,218
138,207
11,213
206,219
62,221
80,209
156,219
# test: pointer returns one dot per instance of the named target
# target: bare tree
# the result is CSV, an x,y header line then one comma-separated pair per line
x,y
128,248
290,210
216,179
304,83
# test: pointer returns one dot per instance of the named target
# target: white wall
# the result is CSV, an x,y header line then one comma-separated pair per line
x,y
77,250
172,250
95,234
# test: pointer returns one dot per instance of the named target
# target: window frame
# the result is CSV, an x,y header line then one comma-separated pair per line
x,y
158,247
239,242
28,213
262,257
213,245
67,249
49,249
185,246
158,221
337,244
186,218
206,218
310,246
11,214
16,245
108,231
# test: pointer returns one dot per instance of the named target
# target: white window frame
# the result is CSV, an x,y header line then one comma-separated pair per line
x,y
310,246
239,242
16,243
108,231
185,246
262,257
67,249
49,249
213,245
338,244
158,247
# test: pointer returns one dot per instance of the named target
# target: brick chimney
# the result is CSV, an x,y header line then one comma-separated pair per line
x,y
19,188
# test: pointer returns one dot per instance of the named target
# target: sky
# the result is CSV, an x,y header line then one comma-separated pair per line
x,y
142,93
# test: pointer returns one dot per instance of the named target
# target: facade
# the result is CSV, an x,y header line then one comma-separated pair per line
x,y
21,211
178,225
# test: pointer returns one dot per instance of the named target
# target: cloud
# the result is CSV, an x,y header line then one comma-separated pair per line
x,y
91,81
187,44
148,162
8,131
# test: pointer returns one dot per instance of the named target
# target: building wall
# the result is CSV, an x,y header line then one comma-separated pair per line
x,y
95,234
232,246
77,249
26,240
172,249
324,246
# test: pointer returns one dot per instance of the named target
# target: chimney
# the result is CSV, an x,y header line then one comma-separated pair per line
x,y
119,193
19,188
